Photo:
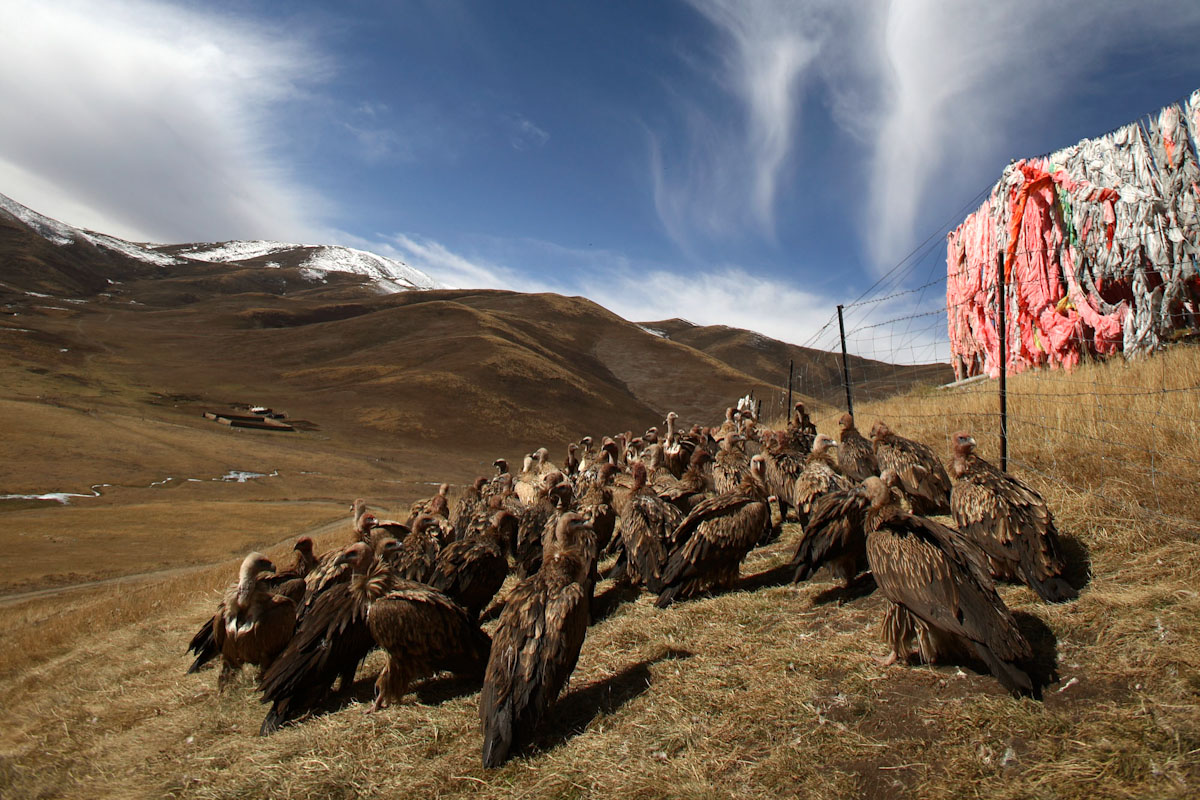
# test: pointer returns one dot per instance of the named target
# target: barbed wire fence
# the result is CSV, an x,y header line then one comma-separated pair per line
x,y
1126,430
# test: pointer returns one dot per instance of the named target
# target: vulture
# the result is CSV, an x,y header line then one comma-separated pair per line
x,y
588,458
417,554
571,462
647,523
471,570
537,640
693,485
424,632
1009,521
800,430
467,505
330,641
856,457
834,534
940,592
533,520
288,584
677,450
711,541
437,506
596,504
784,466
819,476
729,464
922,477
253,623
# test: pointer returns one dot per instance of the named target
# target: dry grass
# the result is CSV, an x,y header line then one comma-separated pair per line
x,y
768,690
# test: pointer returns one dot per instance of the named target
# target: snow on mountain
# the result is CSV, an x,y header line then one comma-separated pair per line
x,y
62,234
388,274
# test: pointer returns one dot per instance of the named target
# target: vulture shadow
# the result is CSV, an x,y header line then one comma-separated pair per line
x,y
1043,667
571,715
608,601
1077,561
435,691
776,576
862,586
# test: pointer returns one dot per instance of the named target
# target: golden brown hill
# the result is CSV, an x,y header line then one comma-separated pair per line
x,y
818,373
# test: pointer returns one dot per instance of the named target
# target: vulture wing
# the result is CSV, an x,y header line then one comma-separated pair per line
x,y
921,473
470,572
534,651
940,578
817,479
834,532
856,457
646,526
1012,524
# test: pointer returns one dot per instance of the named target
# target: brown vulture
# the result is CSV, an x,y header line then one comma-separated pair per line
x,y
471,501
647,524
729,464
834,534
819,476
856,457
711,541
437,506
571,462
533,520
596,504
537,640
253,623
1009,521
419,551
693,486
330,641
922,477
424,632
784,465
801,431
471,570
289,583
940,592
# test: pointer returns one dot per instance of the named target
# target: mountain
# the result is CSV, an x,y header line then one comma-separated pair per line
x,y
80,261
109,342
816,373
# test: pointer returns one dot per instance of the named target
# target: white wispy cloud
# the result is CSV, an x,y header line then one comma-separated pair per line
x,y
524,133
155,121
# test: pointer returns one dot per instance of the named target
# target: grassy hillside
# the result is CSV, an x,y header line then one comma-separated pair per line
x,y
772,689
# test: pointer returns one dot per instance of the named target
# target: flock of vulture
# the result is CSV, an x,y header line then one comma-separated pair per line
x,y
677,513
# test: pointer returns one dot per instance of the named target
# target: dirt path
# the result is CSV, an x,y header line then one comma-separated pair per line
x,y
140,577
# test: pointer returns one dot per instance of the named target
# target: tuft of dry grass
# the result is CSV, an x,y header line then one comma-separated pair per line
x,y
769,689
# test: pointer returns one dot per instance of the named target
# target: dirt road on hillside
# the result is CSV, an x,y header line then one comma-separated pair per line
x,y
140,577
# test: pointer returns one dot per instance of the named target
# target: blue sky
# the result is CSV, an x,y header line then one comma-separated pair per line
x,y
748,163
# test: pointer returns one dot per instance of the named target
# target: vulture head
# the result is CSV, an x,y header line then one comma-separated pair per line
x,y
562,495
639,475
501,466
758,467
586,442
304,546
846,423
444,489
504,525
527,462
479,483
357,555
877,492
606,473
541,455
822,443
386,548
572,448
729,414
552,479
574,530
253,565
962,444
880,430
365,524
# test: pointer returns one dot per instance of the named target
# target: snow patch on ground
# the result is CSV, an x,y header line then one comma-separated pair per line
x,y
62,234
347,259
655,332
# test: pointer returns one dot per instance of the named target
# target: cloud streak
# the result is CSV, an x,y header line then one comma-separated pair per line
x,y
153,121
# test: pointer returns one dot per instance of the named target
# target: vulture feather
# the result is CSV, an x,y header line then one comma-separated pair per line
x,y
467,505
330,641
1009,521
729,465
424,632
834,535
471,570
647,524
537,641
819,476
415,559
940,592
711,541
922,477
856,456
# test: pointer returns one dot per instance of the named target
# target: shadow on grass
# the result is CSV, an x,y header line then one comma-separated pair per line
x,y
571,715
1043,667
862,586
608,601
1077,561
776,576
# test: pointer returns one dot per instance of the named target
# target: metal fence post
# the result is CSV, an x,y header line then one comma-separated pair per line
x,y
845,364
1002,316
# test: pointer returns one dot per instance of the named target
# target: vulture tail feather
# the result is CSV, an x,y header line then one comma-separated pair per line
x,y
1012,677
